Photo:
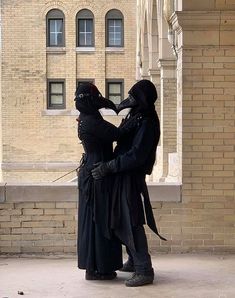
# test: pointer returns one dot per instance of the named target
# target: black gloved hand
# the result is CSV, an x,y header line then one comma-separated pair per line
x,y
102,169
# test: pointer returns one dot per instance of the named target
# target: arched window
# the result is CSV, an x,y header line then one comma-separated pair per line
x,y
85,28
114,28
55,28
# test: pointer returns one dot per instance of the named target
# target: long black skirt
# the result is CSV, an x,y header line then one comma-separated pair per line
x,y
97,251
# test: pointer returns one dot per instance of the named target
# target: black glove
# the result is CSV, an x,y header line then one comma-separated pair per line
x,y
130,124
102,169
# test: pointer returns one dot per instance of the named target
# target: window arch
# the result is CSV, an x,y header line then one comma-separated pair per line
x,y
85,28
114,28
55,28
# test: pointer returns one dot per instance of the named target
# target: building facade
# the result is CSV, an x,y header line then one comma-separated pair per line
x,y
187,48
50,48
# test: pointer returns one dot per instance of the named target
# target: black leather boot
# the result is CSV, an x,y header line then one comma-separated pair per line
x,y
138,280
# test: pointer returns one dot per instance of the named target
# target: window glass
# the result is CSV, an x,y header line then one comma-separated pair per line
x,y
55,28
56,95
114,28
115,91
85,28
56,87
85,32
115,88
56,99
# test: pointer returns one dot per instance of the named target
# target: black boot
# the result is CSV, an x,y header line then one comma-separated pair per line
x,y
94,275
128,266
138,280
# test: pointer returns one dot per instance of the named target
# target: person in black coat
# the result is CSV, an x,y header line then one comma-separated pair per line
x,y
134,158
99,251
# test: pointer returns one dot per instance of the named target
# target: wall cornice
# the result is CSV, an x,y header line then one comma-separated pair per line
x,y
203,20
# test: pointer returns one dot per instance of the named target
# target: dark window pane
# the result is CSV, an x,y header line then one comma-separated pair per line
x,y
118,23
56,32
89,25
52,25
59,39
81,25
81,39
114,32
85,32
89,39
111,23
52,39
59,25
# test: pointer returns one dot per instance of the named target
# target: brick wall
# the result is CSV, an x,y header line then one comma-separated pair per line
x,y
42,218
49,225
206,96
29,134
42,227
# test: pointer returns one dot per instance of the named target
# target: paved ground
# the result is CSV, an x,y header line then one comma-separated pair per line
x,y
184,276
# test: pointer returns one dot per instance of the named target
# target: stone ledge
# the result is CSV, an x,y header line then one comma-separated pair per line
x,y
73,112
61,192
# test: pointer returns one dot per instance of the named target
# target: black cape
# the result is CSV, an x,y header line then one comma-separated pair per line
x,y
135,157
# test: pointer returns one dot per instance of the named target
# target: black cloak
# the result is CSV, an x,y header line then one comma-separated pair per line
x,y
134,158
98,249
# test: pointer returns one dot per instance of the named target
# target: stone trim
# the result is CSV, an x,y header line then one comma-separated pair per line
x,y
56,50
43,166
85,50
204,20
66,192
195,20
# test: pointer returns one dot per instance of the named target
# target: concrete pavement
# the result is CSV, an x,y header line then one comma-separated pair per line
x,y
176,276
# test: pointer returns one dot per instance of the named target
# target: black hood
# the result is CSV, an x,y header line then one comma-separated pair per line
x,y
142,97
89,100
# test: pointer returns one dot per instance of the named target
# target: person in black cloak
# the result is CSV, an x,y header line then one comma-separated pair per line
x,y
99,251
134,158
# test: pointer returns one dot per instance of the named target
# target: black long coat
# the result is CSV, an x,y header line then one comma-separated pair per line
x,y
134,158
98,249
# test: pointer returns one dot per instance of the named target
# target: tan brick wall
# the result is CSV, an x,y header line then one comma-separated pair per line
x,y
42,227
208,145
29,136
208,5
50,227
204,221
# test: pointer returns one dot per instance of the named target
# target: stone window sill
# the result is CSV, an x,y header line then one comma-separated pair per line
x,y
56,50
85,50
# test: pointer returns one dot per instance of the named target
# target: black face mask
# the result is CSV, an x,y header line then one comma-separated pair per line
x,y
129,102
90,105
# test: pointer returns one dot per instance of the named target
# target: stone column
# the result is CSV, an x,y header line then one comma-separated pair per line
x,y
168,101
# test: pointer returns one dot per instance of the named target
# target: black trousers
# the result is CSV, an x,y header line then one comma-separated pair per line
x,y
140,257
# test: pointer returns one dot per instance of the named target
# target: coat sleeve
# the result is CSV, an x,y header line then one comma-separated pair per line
x,y
141,148
104,130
